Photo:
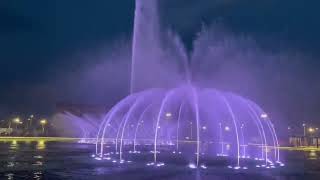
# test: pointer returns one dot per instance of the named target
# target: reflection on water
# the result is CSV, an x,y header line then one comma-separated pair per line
x,y
37,175
38,163
14,145
312,155
38,157
41,145
18,155
9,176
10,164
56,160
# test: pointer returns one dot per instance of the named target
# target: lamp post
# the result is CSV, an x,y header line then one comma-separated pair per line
x,y
16,121
289,131
317,138
311,130
30,121
43,122
9,128
304,129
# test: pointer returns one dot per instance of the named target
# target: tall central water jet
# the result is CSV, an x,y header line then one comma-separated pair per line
x,y
146,48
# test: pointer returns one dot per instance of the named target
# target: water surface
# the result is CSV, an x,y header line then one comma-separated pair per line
x,y
65,160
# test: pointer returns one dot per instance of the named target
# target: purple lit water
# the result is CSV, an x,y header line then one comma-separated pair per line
x,y
57,160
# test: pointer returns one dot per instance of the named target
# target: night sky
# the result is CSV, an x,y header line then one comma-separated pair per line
x,y
46,46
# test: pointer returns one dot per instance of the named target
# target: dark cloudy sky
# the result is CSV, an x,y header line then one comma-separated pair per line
x,y
42,42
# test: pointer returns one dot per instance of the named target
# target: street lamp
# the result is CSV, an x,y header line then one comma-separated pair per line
x,y
311,130
289,130
30,121
43,122
227,128
304,129
16,121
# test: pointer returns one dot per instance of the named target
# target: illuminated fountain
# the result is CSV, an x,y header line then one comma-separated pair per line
x,y
193,123
186,124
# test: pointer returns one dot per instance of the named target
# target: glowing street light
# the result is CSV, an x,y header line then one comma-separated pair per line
x,y
30,120
17,121
227,128
43,122
311,130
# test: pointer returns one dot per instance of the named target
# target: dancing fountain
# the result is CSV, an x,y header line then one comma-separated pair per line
x,y
186,124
